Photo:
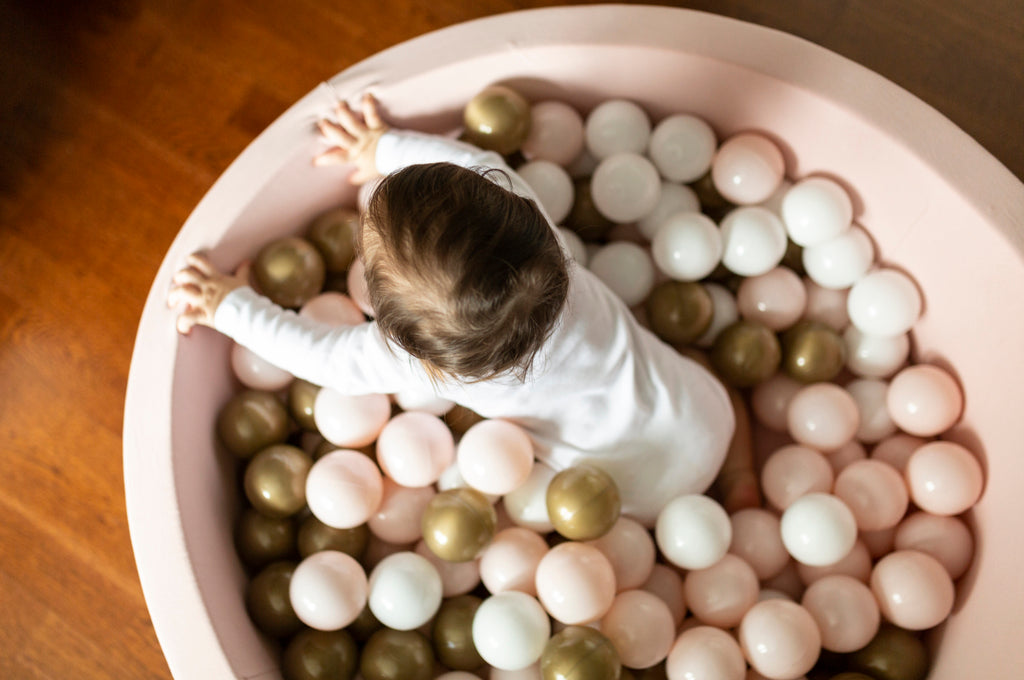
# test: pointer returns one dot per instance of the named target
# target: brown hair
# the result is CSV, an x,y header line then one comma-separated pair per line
x,y
463,274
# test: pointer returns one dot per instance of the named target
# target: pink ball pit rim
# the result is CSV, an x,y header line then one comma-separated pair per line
x,y
935,202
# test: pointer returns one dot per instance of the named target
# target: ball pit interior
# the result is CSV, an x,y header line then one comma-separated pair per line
x,y
936,205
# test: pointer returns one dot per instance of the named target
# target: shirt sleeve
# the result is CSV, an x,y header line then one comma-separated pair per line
x,y
350,359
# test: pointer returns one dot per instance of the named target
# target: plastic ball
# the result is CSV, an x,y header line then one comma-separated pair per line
x,y
275,480
753,241
705,653
301,403
924,400
510,630
725,313
498,119
875,421
251,421
840,261
826,306
261,540
320,655
452,633
666,584
314,536
344,489
818,529
757,540
617,126
775,299
457,578
584,218
679,311
355,282
510,561
693,531
687,246
721,594
527,505
405,591
626,268
350,421
583,502
845,610
552,185
682,146
289,271
397,519
897,449
255,372
913,589
812,352
333,234
823,416
884,302
556,133
673,200
630,549
874,356
495,456
780,639
427,402
640,626
815,210
397,655
893,654
267,601
414,448
856,564
793,471
328,590
745,354
625,187
458,524
947,539
944,478
575,583
769,401
580,653
747,168
875,493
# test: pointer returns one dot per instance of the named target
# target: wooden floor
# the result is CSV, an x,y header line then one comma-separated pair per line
x,y
117,115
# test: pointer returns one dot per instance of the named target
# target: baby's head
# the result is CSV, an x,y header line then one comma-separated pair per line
x,y
462,273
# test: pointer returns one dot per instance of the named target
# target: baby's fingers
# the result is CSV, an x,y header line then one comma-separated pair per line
x,y
334,156
201,262
335,133
371,112
184,294
187,320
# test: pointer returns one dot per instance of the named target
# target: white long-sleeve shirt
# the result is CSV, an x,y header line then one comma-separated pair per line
x,y
602,389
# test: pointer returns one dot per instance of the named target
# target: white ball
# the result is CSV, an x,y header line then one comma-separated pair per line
x,y
615,126
815,210
625,187
687,246
527,505
413,400
552,185
510,630
626,268
328,590
405,591
753,240
818,529
682,147
693,531
839,262
884,302
556,133
574,245
874,356
674,198
725,312
257,373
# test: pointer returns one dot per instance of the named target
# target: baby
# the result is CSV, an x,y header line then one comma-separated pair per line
x,y
477,301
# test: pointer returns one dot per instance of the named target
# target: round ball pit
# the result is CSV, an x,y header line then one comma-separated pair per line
x,y
935,203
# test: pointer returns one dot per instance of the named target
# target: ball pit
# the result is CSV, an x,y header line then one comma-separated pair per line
x,y
937,207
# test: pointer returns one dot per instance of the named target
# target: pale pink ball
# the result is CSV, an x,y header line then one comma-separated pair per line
x,y
457,578
415,448
780,639
823,416
255,372
845,610
397,520
756,539
875,492
897,449
770,399
747,168
845,455
531,672
875,422
794,471
787,582
640,627
344,489
721,594
944,478
510,561
667,584
556,133
914,591
334,309
350,421
357,290
776,299
856,564
879,542
575,583
629,547
705,653
947,539
328,590
826,305
495,456
924,400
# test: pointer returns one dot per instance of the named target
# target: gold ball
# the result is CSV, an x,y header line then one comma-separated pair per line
x,y
458,524
583,502
268,603
333,234
679,311
397,655
275,480
580,653
584,218
893,654
812,352
261,540
301,398
252,420
453,633
315,536
745,354
289,271
320,655
498,119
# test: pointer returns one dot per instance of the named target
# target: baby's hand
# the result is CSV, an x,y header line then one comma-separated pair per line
x,y
353,140
201,287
